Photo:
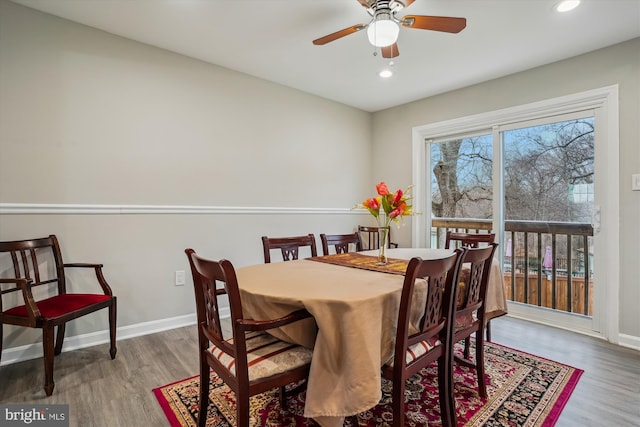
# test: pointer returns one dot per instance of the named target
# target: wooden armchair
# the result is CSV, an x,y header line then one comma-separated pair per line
x,y
340,242
251,361
289,246
432,341
29,260
370,238
469,315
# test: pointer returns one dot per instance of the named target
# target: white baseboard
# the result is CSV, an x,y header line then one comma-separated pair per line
x,y
34,351
623,340
629,341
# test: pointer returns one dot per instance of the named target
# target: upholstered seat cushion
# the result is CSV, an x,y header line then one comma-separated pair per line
x,y
59,305
266,356
417,350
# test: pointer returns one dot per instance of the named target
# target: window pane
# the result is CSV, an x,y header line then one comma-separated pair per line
x,y
461,178
549,172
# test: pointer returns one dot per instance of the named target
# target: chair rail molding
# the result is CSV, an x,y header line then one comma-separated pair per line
x,y
100,209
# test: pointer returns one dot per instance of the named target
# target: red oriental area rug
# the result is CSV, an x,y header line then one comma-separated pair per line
x,y
523,390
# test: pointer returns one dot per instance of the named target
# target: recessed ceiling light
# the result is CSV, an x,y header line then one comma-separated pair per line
x,y
567,5
385,74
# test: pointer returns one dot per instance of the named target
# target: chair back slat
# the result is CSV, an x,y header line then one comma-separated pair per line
x,y
211,280
476,269
441,277
289,246
340,242
206,293
37,259
370,237
472,240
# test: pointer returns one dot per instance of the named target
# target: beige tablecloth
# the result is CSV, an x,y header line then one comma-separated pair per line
x,y
496,302
352,332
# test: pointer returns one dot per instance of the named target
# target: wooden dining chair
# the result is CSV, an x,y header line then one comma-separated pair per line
x,y
289,246
340,242
472,240
251,361
470,310
37,263
370,238
417,346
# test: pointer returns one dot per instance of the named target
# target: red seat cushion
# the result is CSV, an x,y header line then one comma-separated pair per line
x,y
60,304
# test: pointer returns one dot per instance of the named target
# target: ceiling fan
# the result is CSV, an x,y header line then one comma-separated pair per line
x,y
384,26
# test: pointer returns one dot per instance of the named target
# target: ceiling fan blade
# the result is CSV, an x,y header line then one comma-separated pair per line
x,y
338,34
407,3
365,3
390,51
434,23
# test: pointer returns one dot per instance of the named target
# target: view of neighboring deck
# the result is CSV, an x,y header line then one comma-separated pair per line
x,y
544,262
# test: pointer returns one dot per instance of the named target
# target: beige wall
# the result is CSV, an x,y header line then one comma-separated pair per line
x,y
88,118
619,64
94,119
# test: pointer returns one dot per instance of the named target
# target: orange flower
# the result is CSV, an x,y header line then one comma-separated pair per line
x,y
382,189
394,205
372,203
373,206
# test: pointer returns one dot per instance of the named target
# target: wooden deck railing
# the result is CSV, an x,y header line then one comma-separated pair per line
x,y
557,282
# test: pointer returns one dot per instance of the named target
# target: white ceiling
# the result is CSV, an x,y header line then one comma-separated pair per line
x,y
271,39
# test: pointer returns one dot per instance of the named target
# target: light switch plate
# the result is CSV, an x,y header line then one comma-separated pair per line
x,y
635,182
180,278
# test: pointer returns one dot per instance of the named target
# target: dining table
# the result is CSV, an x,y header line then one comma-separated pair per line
x,y
354,305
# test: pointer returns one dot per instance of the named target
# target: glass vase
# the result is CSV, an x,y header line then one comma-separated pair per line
x,y
383,235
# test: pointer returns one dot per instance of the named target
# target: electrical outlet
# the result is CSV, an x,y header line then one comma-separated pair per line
x,y
180,278
635,182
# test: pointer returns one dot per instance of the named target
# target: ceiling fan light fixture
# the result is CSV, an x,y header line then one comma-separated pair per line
x,y
567,5
383,31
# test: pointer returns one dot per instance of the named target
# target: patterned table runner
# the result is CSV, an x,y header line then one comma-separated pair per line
x,y
399,266
364,262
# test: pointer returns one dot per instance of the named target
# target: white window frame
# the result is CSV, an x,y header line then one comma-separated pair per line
x,y
604,102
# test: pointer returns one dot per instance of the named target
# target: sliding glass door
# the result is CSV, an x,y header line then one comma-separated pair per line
x,y
533,182
548,199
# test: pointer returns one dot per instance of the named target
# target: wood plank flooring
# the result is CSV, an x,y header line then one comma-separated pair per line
x,y
104,392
